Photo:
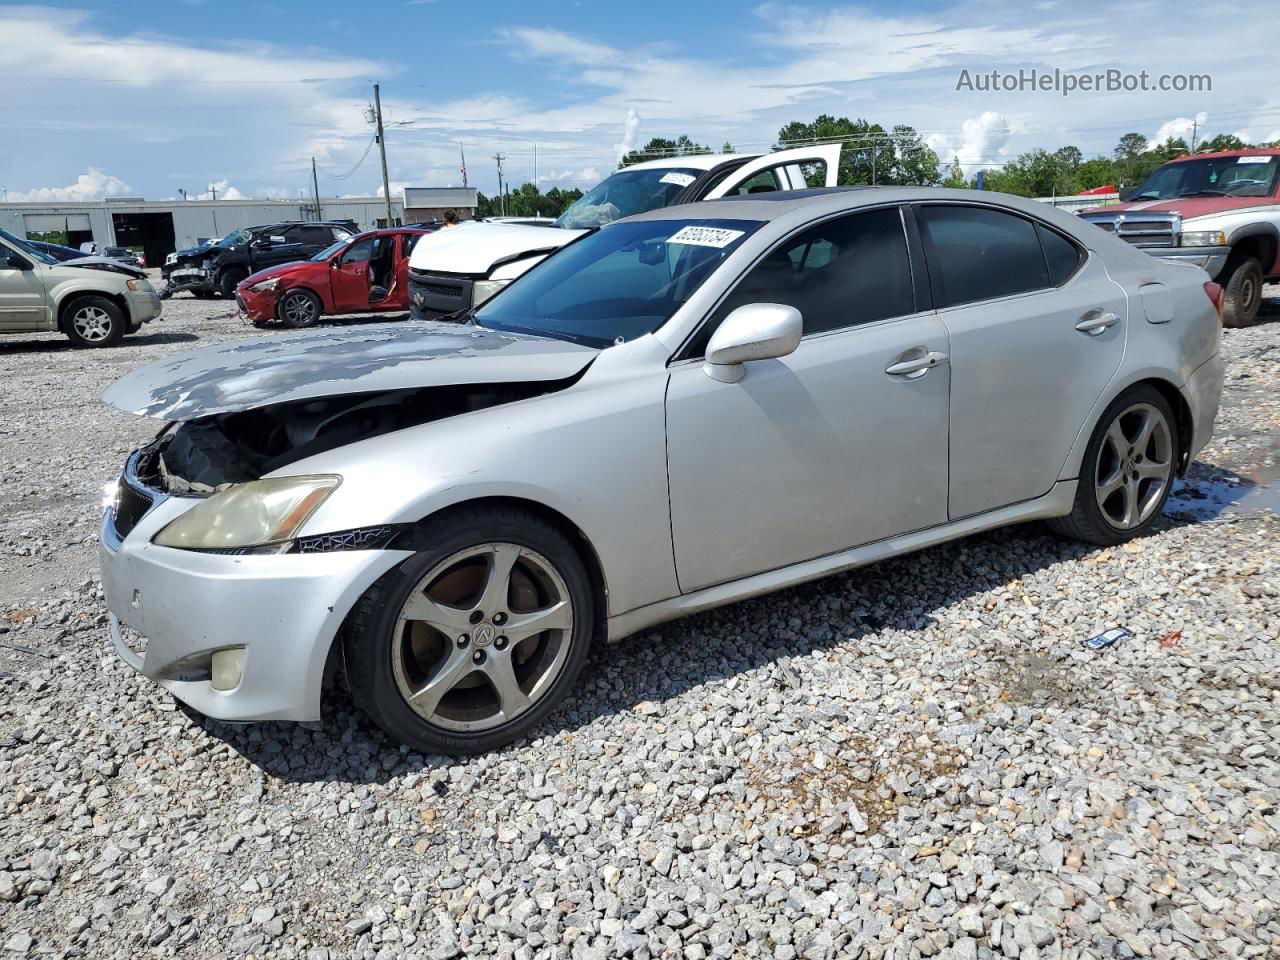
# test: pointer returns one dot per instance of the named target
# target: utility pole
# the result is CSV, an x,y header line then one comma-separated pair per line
x,y
1195,126
535,176
315,186
213,191
502,197
382,148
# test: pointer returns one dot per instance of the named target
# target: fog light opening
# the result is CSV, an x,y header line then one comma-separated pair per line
x,y
226,668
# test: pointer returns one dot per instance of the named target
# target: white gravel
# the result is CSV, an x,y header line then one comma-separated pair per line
x,y
915,759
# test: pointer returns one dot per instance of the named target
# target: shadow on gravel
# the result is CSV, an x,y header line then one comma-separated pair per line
x,y
62,345
677,657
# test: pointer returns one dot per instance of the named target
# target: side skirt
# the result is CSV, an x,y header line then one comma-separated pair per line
x,y
1056,503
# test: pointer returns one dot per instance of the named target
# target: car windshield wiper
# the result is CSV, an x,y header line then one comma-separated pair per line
x,y
1204,193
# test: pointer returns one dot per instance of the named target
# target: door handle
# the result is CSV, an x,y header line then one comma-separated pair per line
x,y
1095,321
915,366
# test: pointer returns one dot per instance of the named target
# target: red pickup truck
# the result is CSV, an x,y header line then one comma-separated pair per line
x,y
1219,211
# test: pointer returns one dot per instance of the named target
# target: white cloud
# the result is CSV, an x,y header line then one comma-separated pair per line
x,y
92,185
221,190
630,134
583,178
981,142
1179,128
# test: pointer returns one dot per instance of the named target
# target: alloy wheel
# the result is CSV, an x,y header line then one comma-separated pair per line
x,y
93,324
482,637
299,310
1135,466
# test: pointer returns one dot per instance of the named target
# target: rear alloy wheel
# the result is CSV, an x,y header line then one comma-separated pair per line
x,y
1127,473
299,308
94,322
470,644
1242,293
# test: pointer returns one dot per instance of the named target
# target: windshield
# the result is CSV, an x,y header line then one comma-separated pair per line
x,y
1212,177
329,251
232,238
616,284
624,194
38,255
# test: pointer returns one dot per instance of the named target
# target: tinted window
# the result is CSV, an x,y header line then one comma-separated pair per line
x,y
408,241
1062,256
341,233
290,234
840,273
976,253
360,250
320,236
766,181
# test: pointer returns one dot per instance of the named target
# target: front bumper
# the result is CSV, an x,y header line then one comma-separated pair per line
x,y
437,296
1209,259
259,306
144,306
284,611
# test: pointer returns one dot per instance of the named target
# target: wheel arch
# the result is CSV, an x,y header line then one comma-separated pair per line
x,y
575,534
1258,240
325,307
71,296
1184,421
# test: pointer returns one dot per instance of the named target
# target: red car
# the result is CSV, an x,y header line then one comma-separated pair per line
x,y
368,272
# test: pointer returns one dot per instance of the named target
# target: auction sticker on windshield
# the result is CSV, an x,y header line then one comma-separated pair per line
x,y
679,179
705,236
1253,159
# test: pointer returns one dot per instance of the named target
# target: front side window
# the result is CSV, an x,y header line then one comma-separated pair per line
x,y
625,194
976,253
765,181
843,272
315,235
328,251
18,244
617,284
360,250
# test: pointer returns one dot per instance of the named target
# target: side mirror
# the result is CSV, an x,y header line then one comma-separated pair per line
x,y
754,331
17,262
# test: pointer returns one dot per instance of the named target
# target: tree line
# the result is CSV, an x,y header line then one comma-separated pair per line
x,y
897,155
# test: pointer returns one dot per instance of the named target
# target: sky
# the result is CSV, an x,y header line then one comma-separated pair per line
x,y
153,97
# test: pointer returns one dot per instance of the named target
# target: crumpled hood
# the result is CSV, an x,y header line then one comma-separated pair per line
x,y
105,263
279,270
244,374
474,248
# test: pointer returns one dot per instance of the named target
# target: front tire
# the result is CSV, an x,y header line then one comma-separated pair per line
x,y
1127,471
473,641
1242,295
228,282
299,308
93,322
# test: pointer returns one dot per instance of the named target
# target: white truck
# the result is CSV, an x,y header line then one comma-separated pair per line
x,y
453,270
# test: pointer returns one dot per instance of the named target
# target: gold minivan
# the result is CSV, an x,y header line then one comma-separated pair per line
x,y
93,300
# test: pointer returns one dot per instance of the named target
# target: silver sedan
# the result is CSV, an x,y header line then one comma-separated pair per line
x,y
677,411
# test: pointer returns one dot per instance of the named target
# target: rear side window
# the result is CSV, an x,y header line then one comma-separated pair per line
x,y
321,236
1062,256
976,253
407,242
841,273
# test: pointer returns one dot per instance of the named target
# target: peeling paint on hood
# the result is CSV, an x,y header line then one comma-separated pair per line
x,y
244,374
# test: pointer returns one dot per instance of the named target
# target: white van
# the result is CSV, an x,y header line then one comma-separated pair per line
x,y
454,270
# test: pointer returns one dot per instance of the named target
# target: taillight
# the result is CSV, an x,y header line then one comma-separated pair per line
x,y
1214,292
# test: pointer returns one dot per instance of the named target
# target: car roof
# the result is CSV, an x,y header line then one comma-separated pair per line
x,y
692,161
1249,152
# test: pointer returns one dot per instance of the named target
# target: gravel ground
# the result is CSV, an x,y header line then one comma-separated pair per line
x,y
915,759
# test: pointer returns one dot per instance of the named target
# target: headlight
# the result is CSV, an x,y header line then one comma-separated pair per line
x,y
139,286
249,514
265,285
484,289
171,258
1204,238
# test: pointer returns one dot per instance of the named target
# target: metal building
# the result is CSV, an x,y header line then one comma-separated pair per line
x,y
424,204
159,227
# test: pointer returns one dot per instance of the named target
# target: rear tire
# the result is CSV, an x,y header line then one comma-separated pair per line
x,y
1242,294
455,630
93,321
1127,472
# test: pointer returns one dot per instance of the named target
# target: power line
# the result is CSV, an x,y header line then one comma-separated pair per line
x,y
351,172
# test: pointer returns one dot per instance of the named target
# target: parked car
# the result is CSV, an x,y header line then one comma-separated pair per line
x,y
125,255
1219,211
685,408
367,273
458,269
93,300
219,268
58,252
